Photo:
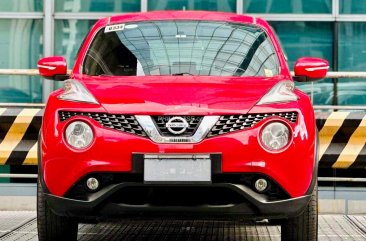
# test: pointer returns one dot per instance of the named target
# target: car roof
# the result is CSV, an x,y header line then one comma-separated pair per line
x,y
182,15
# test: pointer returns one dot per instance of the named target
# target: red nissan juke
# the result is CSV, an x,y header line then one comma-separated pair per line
x,y
179,113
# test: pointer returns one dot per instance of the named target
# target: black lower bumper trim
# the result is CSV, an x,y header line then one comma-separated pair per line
x,y
104,204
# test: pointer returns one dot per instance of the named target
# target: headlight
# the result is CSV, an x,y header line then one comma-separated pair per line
x,y
275,136
75,91
282,92
79,135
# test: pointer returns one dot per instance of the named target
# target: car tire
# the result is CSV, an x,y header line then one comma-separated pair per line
x,y
305,226
51,226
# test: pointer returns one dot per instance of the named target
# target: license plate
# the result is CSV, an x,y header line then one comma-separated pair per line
x,y
177,168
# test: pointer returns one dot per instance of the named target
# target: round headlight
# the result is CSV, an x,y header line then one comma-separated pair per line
x,y
275,136
79,134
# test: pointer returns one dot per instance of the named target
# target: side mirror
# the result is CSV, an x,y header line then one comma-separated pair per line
x,y
310,69
54,68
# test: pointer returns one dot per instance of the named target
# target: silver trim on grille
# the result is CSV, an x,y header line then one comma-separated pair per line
x,y
149,127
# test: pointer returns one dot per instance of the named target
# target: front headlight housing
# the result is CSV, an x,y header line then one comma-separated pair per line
x,y
283,91
275,136
79,135
75,91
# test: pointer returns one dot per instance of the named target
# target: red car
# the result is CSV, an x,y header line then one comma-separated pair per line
x,y
178,113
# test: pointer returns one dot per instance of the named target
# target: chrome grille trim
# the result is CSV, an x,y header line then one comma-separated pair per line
x,y
150,129
193,121
124,123
231,123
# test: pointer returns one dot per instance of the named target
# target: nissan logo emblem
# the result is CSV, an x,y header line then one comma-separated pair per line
x,y
177,125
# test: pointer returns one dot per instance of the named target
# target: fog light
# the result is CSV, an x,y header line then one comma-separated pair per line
x,y
79,134
261,185
92,183
275,136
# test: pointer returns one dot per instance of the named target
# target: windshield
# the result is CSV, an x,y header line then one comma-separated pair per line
x,y
181,48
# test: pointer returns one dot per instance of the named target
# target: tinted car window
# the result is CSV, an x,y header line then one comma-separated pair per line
x,y
182,48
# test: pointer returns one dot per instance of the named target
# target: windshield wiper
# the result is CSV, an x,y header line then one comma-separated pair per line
x,y
183,73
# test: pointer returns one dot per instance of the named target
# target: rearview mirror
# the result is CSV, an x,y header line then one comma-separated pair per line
x,y
54,68
310,69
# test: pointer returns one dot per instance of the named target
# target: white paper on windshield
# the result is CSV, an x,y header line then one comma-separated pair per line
x,y
114,28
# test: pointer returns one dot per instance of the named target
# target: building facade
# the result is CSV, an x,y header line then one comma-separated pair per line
x,y
331,29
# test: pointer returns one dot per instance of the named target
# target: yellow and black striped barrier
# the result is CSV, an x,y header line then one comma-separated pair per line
x,y
341,145
19,129
342,138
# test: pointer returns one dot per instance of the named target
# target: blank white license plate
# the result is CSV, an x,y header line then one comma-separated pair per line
x,y
177,168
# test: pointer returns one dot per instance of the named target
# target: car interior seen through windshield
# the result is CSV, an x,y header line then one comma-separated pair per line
x,y
182,48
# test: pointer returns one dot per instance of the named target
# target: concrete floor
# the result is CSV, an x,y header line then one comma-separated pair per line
x,y
21,225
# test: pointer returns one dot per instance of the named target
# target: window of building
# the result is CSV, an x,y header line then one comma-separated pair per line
x,y
20,50
69,34
352,6
352,57
97,6
305,39
21,6
287,6
209,5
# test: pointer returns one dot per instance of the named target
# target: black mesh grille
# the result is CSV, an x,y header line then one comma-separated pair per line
x,y
125,123
230,123
193,122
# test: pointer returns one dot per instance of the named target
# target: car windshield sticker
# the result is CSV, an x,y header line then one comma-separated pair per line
x,y
114,28
268,73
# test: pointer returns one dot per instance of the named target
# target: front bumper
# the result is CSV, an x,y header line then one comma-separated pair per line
x,y
112,151
247,204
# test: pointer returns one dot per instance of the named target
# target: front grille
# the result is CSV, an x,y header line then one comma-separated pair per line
x,y
193,122
125,123
230,123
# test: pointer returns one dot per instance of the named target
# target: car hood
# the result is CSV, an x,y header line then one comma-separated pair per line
x,y
184,95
